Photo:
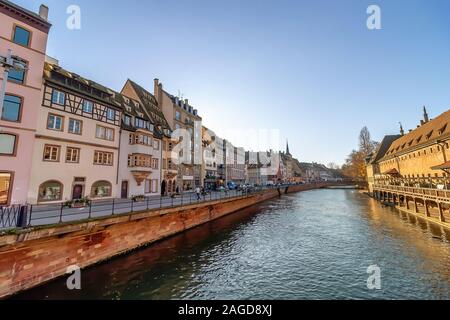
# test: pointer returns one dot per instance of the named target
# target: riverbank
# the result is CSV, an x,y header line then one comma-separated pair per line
x,y
37,255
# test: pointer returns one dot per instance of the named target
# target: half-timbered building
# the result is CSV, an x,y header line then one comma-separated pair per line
x,y
161,131
140,151
77,139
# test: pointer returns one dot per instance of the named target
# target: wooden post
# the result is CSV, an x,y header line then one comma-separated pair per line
x,y
416,210
427,211
441,212
407,203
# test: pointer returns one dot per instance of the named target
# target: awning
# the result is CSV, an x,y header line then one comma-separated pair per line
x,y
392,172
444,166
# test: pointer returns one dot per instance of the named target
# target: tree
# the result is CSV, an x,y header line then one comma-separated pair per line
x,y
355,164
366,145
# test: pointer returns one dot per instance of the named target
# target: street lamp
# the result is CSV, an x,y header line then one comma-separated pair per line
x,y
9,63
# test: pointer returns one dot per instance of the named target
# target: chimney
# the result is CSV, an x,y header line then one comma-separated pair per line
x,y
186,103
43,12
156,82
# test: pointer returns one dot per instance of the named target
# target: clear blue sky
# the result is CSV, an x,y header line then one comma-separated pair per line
x,y
309,68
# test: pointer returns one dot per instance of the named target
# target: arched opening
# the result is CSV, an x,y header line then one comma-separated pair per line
x,y
51,190
163,187
101,189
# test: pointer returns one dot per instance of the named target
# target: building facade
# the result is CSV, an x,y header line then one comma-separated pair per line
x,y
160,179
25,34
139,153
76,147
210,163
181,115
235,164
418,158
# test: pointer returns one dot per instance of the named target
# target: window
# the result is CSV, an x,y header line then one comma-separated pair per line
x,y
151,186
155,163
75,126
11,108
6,179
110,114
127,120
7,144
50,191
51,153
156,144
148,186
178,115
72,155
88,106
55,122
16,76
103,158
139,160
101,189
104,133
21,36
58,97
140,123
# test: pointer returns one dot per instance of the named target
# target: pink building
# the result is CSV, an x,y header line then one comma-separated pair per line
x,y
25,34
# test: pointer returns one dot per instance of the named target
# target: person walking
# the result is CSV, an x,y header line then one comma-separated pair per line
x,y
197,192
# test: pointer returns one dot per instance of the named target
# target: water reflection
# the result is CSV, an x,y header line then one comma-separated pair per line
x,y
311,245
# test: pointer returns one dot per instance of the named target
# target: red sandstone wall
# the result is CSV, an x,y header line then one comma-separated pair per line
x,y
37,256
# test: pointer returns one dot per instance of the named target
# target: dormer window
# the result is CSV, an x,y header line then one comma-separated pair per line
x,y
410,143
442,130
418,139
429,135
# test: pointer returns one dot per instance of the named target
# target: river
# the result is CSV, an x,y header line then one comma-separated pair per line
x,y
310,245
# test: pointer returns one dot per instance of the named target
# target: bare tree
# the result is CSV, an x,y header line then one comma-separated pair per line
x,y
366,145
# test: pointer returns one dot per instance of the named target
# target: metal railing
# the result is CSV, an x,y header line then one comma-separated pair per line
x,y
25,216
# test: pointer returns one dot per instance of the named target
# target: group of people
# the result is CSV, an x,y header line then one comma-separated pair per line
x,y
200,191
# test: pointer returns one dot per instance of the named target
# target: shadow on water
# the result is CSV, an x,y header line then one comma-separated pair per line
x,y
311,245
113,278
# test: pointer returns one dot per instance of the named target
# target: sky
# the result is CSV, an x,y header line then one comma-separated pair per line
x,y
310,70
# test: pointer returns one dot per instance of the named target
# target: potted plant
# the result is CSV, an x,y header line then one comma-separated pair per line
x,y
138,198
80,203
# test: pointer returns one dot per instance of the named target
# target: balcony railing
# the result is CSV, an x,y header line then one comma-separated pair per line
x,y
438,192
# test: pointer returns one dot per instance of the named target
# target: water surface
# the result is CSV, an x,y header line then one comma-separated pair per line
x,y
310,245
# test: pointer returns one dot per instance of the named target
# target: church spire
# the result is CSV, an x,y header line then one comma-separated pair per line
x,y
402,132
287,148
425,115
